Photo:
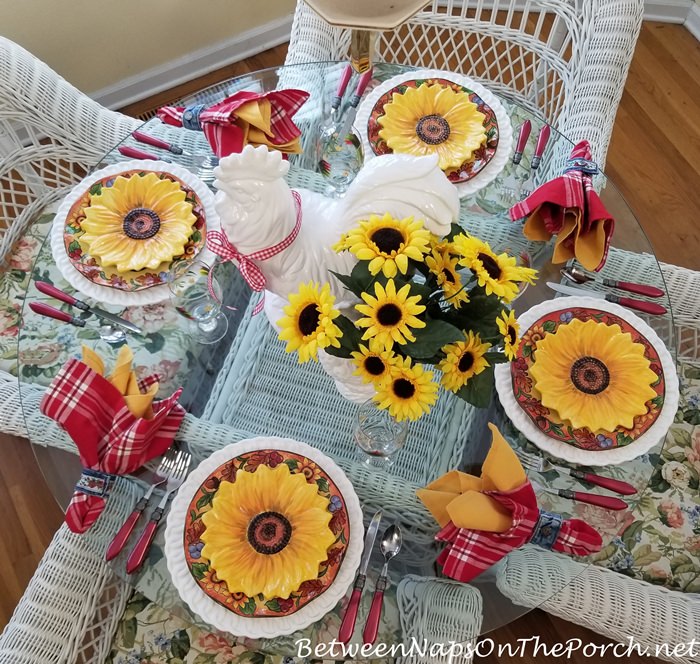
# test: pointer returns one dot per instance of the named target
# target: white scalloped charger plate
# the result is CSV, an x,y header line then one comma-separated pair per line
x,y
116,296
505,129
262,627
504,387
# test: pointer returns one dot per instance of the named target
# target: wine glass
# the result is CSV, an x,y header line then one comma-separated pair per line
x,y
379,435
191,295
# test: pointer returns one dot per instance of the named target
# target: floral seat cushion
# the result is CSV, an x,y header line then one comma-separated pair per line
x,y
660,540
165,349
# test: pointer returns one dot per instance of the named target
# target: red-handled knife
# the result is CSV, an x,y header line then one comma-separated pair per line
x,y
342,86
638,305
354,102
135,153
158,143
607,502
639,289
542,140
51,290
347,627
609,483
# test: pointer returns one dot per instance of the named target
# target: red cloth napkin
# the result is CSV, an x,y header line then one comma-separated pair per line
x,y
244,117
469,552
569,208
110,439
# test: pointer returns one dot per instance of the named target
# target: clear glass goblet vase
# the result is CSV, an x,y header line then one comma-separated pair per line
x,y
191,296
379,435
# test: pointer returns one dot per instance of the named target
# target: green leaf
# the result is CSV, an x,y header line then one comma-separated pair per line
x,y
291,463
154,342
349,341
322,484
249,607
180,643
455,229
205,500
549,326
128,629
273,605
199,570
680,560
644,556
628,537
138,603
479,389
96,188
431,338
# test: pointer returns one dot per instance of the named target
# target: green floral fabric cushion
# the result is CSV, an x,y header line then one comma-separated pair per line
x,y
47,344
660,542
149,634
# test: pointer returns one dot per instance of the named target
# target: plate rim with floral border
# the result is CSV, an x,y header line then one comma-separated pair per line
x,y
213,612
505,129
108,294
565,450
243,605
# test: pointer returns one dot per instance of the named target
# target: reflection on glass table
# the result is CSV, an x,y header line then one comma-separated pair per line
x,y
246,383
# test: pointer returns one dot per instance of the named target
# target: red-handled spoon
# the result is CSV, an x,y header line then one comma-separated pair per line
x,y
524,134
342,86
580,277
389,546
638,305
542,140
609,483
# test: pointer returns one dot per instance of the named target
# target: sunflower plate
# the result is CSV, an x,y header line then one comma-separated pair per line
x,y
486,163
545,428
106,284
256,616
201,502
480,158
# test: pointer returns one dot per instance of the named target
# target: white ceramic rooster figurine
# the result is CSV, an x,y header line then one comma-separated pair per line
x,y
258,211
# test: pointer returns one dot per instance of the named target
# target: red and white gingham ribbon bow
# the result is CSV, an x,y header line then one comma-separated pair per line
x,y
218,243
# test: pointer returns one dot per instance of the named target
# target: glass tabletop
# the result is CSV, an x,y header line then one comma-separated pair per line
x,y
231,382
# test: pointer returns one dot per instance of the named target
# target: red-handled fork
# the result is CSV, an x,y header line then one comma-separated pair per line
x,y
176,478
164,470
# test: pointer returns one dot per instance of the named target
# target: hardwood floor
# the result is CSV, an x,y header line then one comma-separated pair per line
x,y
655,161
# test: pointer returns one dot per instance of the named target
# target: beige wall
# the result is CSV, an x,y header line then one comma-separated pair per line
x,y
96,43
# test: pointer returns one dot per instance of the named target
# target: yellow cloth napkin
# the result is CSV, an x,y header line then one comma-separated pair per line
x,y
458,497
255,119
124,379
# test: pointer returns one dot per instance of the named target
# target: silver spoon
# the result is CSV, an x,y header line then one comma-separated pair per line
x,y
580,277
389,546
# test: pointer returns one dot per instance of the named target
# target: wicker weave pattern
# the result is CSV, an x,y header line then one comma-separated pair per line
x,y
602,600
564,60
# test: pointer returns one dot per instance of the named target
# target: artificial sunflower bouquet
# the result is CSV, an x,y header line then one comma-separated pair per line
x,y
421,300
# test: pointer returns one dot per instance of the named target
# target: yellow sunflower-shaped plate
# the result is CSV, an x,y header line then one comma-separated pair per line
x,y
105,283
486,162
544,426
210,498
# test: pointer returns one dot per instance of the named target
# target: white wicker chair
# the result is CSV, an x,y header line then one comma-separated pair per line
x,y
567,60
609,603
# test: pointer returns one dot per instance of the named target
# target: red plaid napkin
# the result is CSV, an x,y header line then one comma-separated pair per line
x,y
469,552
244,117
484,518
569,208
111,441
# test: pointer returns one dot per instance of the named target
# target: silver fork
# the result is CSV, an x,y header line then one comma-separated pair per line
x,y
160,476
174,480
542,465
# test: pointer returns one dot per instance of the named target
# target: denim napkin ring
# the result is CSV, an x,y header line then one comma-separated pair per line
x,y
547,529
94,483
190,117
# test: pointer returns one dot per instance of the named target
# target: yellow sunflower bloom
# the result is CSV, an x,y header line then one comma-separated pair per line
x,y
390,315
373,362
388,243
267,532
593,375
498,274
408,391
309,324
463,360
139,222
444,267
509,328
433,119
